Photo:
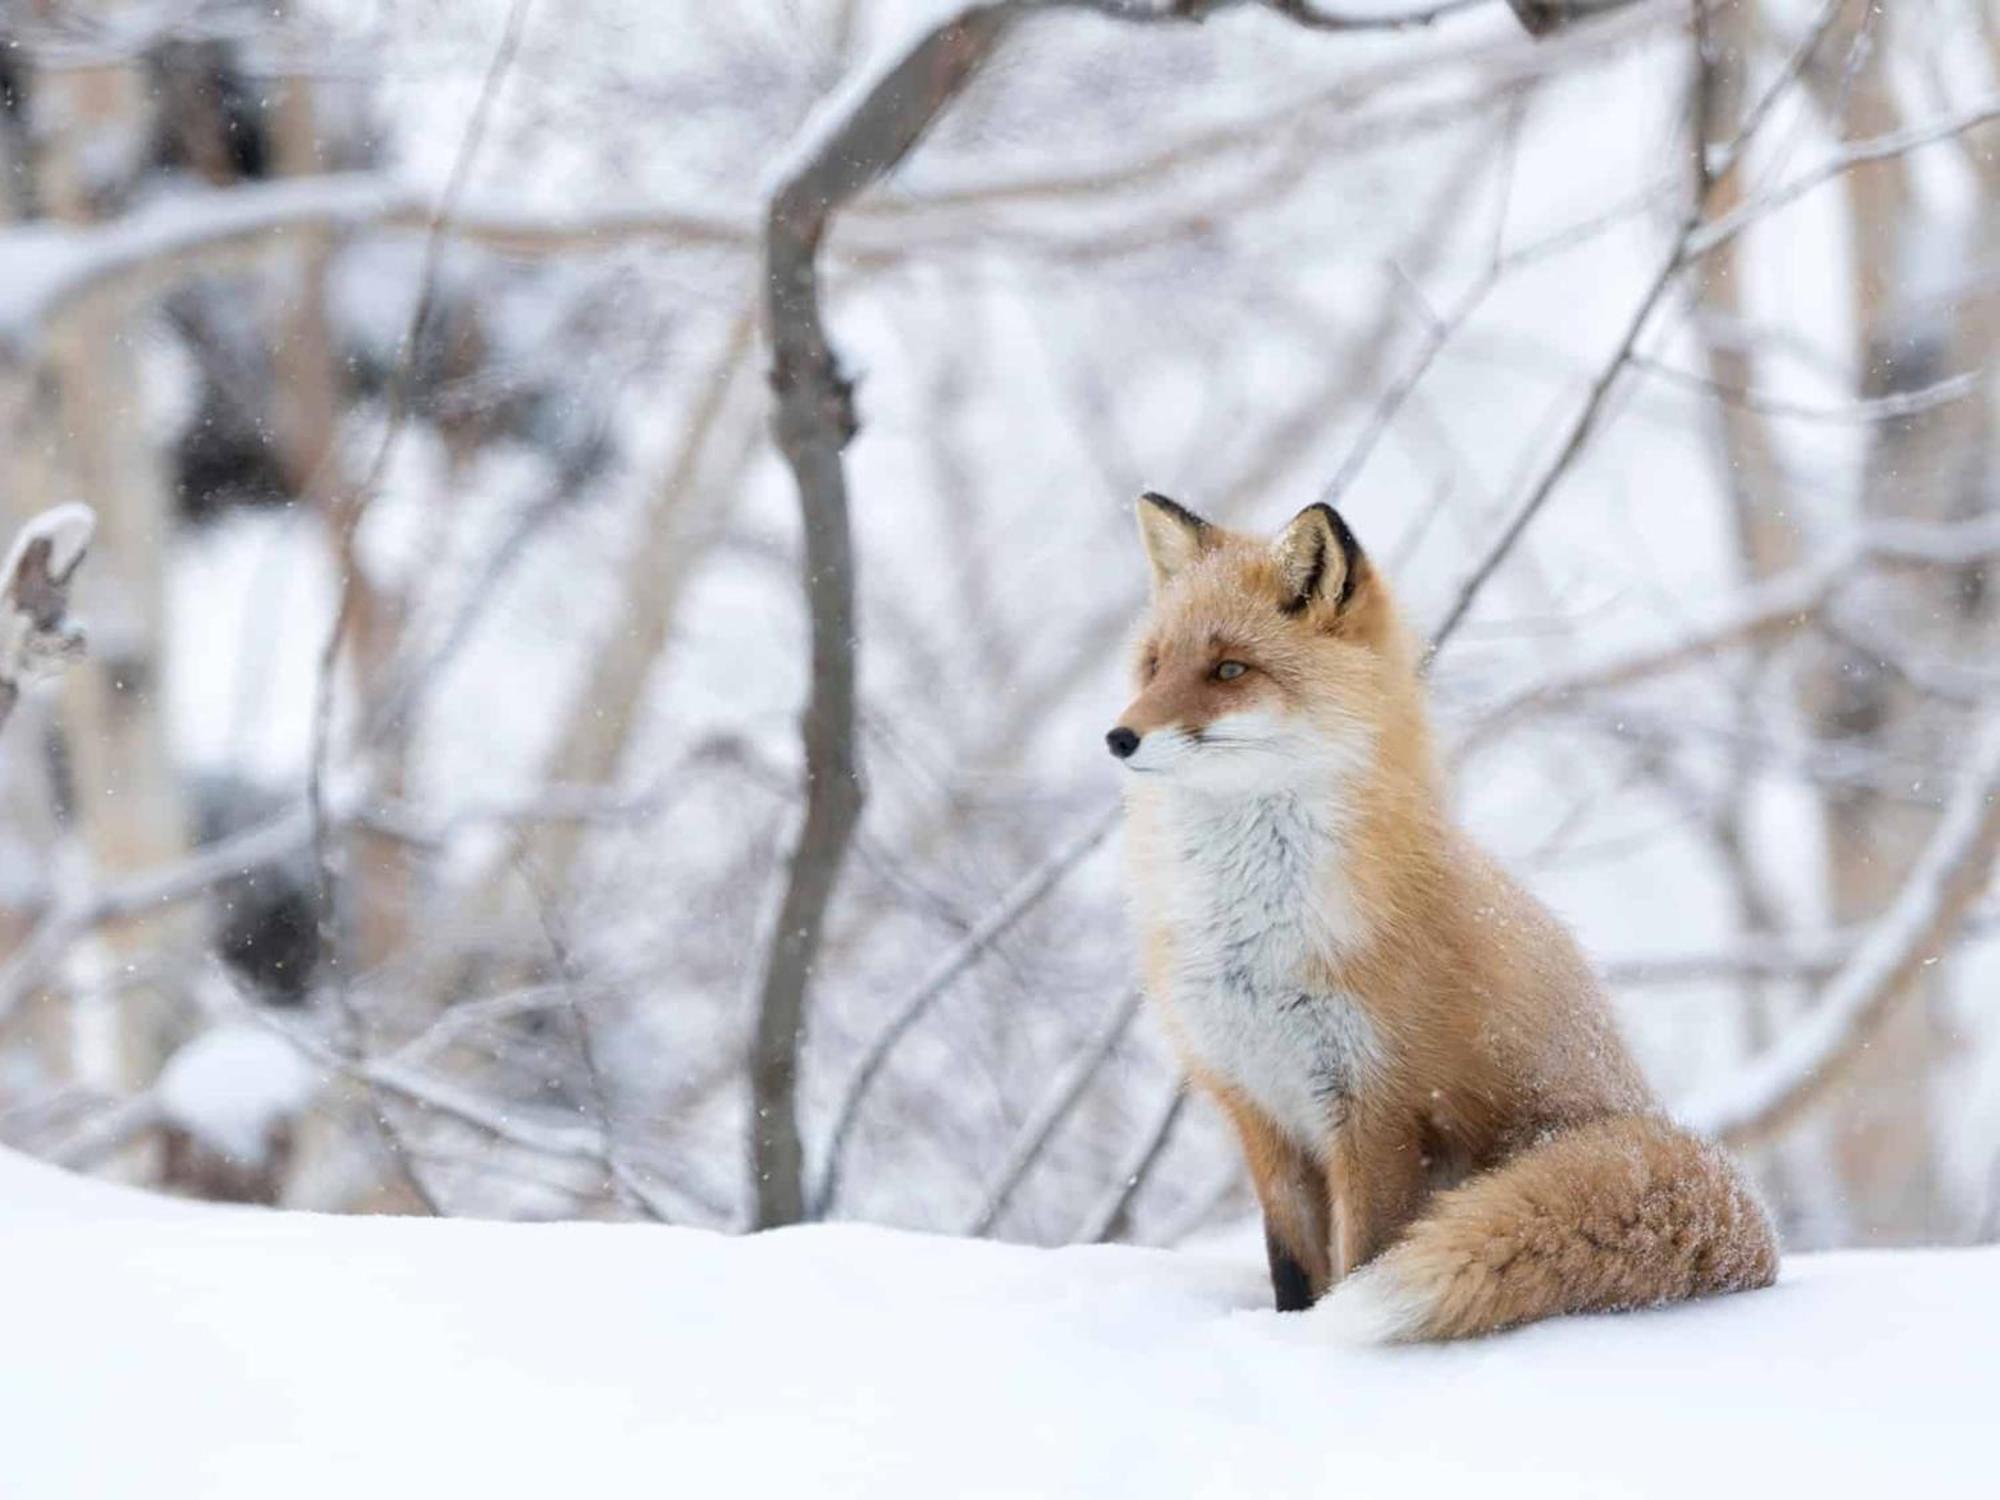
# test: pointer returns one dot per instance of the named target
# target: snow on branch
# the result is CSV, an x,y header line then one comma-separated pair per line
x,y
1955,868
235,1089
36,636
47,268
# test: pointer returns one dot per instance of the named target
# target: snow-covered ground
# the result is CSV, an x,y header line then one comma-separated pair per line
x,y
169,1350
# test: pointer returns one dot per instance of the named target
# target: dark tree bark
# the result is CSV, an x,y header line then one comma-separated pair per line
x,y
813,422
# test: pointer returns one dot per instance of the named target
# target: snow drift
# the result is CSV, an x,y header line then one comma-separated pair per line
x,y
165,1349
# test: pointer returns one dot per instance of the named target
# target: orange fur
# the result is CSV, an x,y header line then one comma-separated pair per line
x,y
1456,1034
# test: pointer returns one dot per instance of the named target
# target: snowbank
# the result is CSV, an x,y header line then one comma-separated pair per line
x,y
227,1353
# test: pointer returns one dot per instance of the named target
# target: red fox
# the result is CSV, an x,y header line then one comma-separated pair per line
x,y
1446,1135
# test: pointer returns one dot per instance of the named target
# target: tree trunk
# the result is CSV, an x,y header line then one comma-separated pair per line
x,y
1930,466
128,810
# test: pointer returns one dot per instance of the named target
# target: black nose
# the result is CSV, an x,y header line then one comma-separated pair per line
x,y
1122,742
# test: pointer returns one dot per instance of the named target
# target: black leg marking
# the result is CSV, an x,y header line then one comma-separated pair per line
x,y
1289,1282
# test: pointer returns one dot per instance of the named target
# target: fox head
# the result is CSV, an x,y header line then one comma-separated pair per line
x,y
1262,665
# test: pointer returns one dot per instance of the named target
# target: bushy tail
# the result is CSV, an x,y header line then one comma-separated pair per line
x,y
1625,1212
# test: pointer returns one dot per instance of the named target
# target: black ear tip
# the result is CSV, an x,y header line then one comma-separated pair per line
x,y
1350,549
1336,523
1353,560
1174,509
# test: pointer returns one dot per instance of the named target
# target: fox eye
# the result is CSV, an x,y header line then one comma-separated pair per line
x,y
1152,664
1229,671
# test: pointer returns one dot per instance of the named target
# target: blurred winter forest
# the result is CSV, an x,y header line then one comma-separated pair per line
x,y
614,560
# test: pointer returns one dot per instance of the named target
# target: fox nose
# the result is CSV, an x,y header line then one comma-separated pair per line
x,y
1122,742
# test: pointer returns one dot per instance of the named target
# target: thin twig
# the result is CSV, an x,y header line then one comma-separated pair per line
x,y
1724,161
1110,1218
1580,433
1719,232
1796,956
1026,894
627,1183
277,838
346,513
1782,603
1055,1106
1890,408
1694,240
349,510
1439,330
1776,1088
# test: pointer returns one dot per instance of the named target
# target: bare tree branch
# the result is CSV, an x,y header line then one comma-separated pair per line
x,y
1795,956
160,243
1110,1218
287,833
1537,17
1054,1108
1027,893
1892,407
1718,164
1934,676
1225,1194
1694,240
1438,329
1782,603
629,1184
1756,957
1303,13
1858,153
1580,433
107,1134
349,509
1775,1089
675,529
529,1130
813,422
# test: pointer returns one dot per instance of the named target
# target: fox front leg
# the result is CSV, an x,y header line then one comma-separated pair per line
x,y
1291,1282
1298,1221
1375,1182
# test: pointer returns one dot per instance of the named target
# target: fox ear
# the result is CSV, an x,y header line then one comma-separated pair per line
x,y
1173,535
1318,560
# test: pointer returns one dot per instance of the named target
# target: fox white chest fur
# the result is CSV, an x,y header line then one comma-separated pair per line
x,y
1248,895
